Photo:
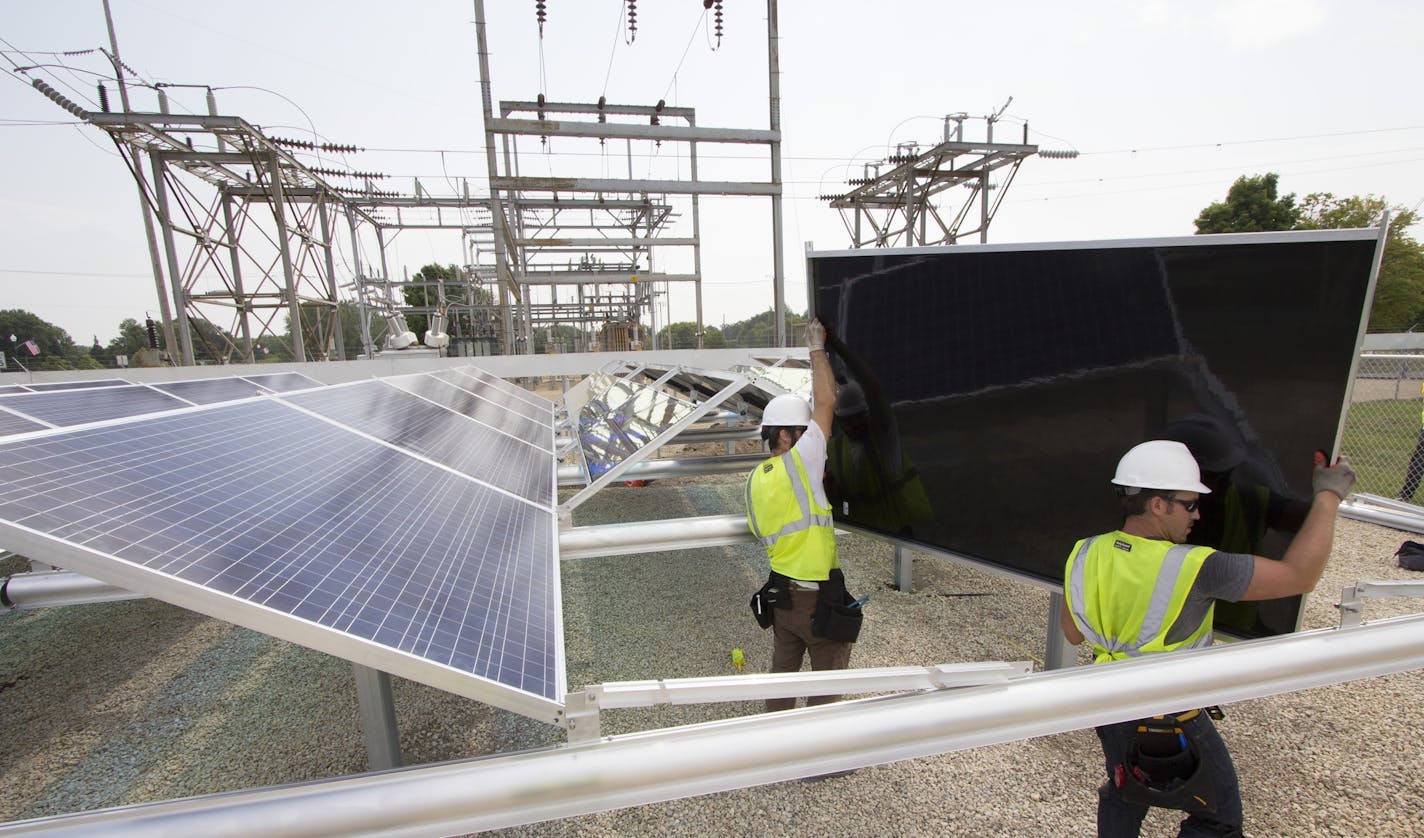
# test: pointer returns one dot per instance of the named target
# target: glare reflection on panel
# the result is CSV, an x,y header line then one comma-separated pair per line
x,y
622,418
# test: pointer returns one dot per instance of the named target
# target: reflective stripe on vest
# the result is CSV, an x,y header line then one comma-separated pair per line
x,y
803,545
1160,615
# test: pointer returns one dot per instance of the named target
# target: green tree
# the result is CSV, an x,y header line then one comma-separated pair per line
x,y
458,325
1251,206
26,326
760,330
683,335
132,337
1399,291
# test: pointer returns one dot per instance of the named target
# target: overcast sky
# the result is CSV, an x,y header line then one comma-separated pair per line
x,y
1167,101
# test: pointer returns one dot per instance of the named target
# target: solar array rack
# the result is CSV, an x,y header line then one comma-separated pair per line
x,y
619,421
405,524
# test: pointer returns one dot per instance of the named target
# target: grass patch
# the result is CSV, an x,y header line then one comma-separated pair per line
x,y
1379,437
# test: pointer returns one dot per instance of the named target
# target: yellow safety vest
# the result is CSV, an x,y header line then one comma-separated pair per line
x,y
782,513
1126,592
876,497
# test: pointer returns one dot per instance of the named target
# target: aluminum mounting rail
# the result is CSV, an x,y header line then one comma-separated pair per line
x,y
647,767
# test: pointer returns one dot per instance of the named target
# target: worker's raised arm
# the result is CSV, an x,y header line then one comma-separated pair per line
x,y
823,382
1300,568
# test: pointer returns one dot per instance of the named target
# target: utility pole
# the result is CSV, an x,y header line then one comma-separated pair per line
x,y
152,239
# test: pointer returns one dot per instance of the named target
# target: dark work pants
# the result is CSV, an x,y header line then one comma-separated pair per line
x,y
793,639
1415,471
1117,817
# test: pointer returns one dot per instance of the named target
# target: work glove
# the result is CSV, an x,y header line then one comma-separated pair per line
x,y
815,335
1339,478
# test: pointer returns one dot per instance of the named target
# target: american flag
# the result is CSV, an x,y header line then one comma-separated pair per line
x,y
31,347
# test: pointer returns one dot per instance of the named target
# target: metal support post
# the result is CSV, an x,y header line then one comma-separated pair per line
x,y
160,197
378,717
331,278
294,306
367,349
155,262
904,568
243,305
1057,652
497,219
774,72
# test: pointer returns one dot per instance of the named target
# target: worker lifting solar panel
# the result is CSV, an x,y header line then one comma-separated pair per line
x,y
267,516
214,390
624,422
439,433
64,408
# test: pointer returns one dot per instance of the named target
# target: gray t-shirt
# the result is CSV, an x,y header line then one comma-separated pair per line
x,y
1223,576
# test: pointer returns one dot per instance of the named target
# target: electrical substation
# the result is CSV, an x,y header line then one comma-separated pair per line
x,y
507,471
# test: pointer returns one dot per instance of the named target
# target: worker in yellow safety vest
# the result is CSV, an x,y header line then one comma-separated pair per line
x,y
1141,590
788,513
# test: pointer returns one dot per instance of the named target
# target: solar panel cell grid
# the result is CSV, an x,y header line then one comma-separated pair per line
x,y
501,392
11,424
294,514
480,409
283,382
212,390
444,436
77,407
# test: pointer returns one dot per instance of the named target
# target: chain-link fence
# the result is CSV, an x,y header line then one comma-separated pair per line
x,y
1382,427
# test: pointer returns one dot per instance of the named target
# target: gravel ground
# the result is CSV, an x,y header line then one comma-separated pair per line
x,y
121,703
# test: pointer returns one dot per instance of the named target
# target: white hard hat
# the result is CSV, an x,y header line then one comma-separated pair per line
x,y
1160,464
787,410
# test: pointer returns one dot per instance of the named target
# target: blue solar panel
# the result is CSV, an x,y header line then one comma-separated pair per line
x,y
11,424
283,382
278,520
439,433
481,408
502,392
76,407
212,390
75,385
7,389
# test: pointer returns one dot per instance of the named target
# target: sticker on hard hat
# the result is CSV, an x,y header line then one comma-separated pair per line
x,y
1125,546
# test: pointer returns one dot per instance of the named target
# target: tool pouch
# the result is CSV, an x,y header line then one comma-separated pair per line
x,y
776,593
835,619
1161,770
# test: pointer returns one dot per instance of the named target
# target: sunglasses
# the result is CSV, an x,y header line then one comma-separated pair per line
x,y
1189,505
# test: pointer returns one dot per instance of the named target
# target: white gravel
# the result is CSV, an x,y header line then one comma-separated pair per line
x,y
122,703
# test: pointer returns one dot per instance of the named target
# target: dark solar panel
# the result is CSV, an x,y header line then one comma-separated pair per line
x,y
76,407
11,424
7,389
272,518
212,390
283,382
480,407
75,385
439,433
